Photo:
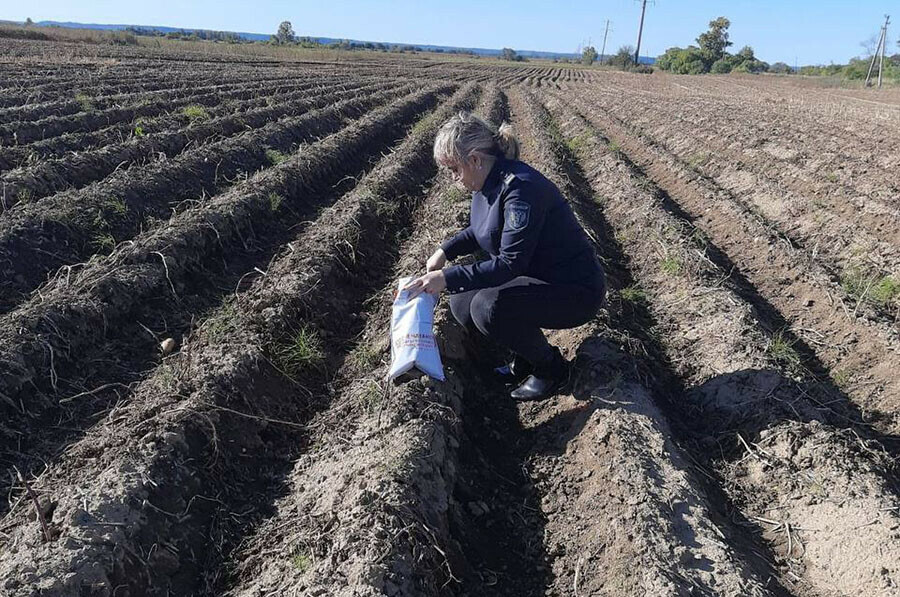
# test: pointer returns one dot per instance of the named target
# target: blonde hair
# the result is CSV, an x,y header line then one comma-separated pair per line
x,y
465,134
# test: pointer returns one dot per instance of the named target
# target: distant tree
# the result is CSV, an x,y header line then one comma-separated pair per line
x,y
746,62
751,66
509,54
780,68
588,55
870,45
285,34
688,61
722,66
745,54
29,22
623,59
714,42
856,69
711,55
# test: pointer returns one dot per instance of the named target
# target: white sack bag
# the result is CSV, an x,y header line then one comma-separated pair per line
x,y
412,338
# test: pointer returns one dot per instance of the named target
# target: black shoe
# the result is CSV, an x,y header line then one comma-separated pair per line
x,y
536,388
545,381
514,371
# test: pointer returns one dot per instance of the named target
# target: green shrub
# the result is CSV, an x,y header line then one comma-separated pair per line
x,y
275,157
722,66
103,242
872,287
782,350
275,201
195,113
223,323
633,294
301,562
671,265
683,61
885,291
84,102
303,351
698,160
576,144
840,377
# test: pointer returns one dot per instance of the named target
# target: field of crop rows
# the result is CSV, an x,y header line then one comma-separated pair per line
x,y
198,254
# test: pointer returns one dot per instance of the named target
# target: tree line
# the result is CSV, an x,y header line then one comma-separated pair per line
x,y
711,55
285,36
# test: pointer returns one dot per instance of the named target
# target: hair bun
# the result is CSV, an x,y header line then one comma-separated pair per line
x,y
507,142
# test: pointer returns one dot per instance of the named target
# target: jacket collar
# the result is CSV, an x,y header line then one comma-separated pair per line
x,y
494,177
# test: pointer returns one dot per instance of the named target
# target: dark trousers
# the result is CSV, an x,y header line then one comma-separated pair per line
x,y
513,314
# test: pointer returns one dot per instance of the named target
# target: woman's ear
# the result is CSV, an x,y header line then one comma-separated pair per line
x,y
477,161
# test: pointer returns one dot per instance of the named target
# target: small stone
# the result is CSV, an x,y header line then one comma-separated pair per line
x,y
167,346
475,509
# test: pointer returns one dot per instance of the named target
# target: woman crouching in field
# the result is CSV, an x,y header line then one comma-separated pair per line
x,y
542,271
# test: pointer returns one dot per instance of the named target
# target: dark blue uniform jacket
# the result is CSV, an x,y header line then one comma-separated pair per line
x,y
526,226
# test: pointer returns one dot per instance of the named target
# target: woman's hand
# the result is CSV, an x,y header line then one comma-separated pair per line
x,y
437,261
433,283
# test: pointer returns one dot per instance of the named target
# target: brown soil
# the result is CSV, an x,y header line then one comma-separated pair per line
x,y
729,427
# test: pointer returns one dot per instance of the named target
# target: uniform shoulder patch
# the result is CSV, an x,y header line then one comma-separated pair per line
x,y
516,215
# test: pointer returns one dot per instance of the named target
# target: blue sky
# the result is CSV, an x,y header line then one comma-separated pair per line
x,y
809,31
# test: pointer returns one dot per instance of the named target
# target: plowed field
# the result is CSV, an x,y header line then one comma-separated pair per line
x,y
198,254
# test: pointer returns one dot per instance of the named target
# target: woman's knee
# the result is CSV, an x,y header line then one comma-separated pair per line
x,y
461,310
483,310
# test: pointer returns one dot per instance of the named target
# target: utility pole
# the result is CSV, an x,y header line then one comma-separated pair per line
x,y
879,52
637,51
887,21
603,51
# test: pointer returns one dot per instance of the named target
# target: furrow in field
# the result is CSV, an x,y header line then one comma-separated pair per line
x,y
66,228
619,510
823,154
32,183
216,439
70,353
96,100
860,354
43,83
741,387
23,133
56,147
381,527
852,232
31,91
67,104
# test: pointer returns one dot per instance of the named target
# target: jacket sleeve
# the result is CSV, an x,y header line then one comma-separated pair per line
x,y
523,220
461,243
